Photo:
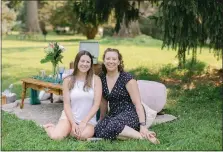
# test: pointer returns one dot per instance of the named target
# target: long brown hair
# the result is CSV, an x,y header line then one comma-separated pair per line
x,y
89,77
120,66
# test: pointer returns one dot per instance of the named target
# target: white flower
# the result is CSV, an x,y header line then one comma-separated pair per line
x,y
48,50
61,47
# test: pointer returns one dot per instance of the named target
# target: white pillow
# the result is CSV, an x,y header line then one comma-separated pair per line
x,y
57,98
150,115
153,94
43,95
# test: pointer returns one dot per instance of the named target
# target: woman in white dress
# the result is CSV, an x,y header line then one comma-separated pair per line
x,y
82,93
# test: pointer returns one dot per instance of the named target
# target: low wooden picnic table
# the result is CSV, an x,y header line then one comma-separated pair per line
x,y
35,84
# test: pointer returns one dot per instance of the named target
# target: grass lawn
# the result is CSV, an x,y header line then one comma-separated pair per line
x,y
198,107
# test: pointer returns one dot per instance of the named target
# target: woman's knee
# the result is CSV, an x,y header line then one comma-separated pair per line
x,y
61,130
87,133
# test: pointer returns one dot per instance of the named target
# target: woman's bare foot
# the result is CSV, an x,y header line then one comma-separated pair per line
x,y
48,125
153,133
152,138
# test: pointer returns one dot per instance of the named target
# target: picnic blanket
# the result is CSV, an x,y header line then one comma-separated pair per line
x,y
50,112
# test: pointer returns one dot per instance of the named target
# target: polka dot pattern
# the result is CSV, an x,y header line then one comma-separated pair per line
x,y
122,110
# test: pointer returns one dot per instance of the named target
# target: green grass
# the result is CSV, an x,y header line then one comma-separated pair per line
x,y
199,112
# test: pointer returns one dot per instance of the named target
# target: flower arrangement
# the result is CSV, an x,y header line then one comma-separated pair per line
x,y
53,54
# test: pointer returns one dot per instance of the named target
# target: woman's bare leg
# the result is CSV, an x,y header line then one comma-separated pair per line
x,y
58,132
130,133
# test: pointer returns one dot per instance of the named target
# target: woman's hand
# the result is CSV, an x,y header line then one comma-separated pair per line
x,y
143,131
74,130
82,126
149,135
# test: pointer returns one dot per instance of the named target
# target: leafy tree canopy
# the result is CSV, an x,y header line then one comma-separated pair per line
x,y
97,11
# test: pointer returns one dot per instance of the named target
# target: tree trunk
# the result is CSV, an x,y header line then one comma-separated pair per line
x,y
32,21
90,32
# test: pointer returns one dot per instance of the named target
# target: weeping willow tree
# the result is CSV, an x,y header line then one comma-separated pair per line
x,y
188,24
92,13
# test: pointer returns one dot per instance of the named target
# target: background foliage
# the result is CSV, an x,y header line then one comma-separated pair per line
x,y
8,18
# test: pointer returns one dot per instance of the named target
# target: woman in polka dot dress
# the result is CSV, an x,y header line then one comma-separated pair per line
x,y
126,117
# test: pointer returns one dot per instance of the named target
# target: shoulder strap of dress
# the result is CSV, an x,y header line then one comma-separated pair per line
x,y
93,81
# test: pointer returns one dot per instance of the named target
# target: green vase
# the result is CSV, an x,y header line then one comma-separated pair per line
x,y
55,76
54,70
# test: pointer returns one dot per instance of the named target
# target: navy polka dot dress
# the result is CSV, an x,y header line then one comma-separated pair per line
x,y
122,110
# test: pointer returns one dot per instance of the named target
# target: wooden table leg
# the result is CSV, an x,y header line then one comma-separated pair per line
x,y
23,95
51,97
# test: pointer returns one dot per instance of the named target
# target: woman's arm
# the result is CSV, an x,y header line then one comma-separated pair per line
x,y
133,90
97,99
103,108
66,100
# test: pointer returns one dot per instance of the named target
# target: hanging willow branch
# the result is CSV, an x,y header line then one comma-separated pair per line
x,y
189,23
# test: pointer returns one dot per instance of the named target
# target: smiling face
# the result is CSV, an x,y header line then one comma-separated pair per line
x,y
84,63
111,61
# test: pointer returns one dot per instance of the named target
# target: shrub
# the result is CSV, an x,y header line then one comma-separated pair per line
x,y
108,31
8,18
